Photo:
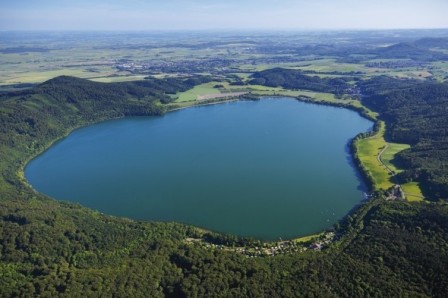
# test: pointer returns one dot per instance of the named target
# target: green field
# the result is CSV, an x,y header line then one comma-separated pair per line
x,y
413,192
203,89
41,76
389,154
208,88
308,238
331,65
368,150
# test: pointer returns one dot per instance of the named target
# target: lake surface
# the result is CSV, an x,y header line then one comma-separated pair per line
x,y
271,168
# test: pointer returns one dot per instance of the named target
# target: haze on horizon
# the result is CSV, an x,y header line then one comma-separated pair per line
x,y
222,15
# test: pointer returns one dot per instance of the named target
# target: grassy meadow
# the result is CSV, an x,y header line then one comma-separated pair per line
x,y
194,93
368,151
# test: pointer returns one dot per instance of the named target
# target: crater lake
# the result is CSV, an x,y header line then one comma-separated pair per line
x,y
270,168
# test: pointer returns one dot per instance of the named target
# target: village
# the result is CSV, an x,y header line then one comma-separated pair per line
x,y
214,66
270,249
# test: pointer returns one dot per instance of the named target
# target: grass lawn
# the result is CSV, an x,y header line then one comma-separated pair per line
x,y
41,76
413,192
389,154
308,238
192,94
368,150
331,65
208,88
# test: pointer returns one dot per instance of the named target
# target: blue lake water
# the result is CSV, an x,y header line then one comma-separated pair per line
x,y
271,168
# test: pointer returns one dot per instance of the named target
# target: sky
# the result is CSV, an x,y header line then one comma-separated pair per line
x,y
147,15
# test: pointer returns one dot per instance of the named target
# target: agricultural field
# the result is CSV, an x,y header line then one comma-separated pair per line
x,y
389,154
26,60
385,246
331,65
376,155
230,58
224,88
200,90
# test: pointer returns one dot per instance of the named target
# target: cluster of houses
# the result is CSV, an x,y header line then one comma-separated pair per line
x,y
272,248
214,65
324,241
354,92
395,193
170,66
396,64
269,249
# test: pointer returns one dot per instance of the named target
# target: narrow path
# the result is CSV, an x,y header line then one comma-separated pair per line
x,y
392,172
381,160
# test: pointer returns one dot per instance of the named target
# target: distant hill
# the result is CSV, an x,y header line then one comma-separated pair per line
x,y
405,50
432,42
419,50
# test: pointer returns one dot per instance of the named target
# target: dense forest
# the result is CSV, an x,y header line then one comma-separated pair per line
x,y
52,248
30,120
415,114
296,79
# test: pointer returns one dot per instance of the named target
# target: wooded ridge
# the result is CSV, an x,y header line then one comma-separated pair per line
x,y
52,248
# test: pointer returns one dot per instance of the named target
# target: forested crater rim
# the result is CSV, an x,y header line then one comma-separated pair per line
x,y
266,178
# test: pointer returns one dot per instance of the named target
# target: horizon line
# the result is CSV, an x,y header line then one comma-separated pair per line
x,y
228,30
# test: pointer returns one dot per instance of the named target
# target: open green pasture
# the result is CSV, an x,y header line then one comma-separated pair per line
x,y
203,89
368,150
216,87
389,154
331,65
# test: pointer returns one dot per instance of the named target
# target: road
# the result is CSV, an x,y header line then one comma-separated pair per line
x,y
392,173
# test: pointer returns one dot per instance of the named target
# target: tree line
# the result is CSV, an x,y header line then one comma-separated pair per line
x,y
415,114
60,249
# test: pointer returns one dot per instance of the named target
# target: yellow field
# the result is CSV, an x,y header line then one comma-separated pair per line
x,y
413,192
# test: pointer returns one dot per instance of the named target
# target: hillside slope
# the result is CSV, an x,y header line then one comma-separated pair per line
x,y
52,248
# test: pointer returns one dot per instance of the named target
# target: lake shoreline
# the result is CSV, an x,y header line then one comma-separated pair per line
x,y
360,111
271,108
